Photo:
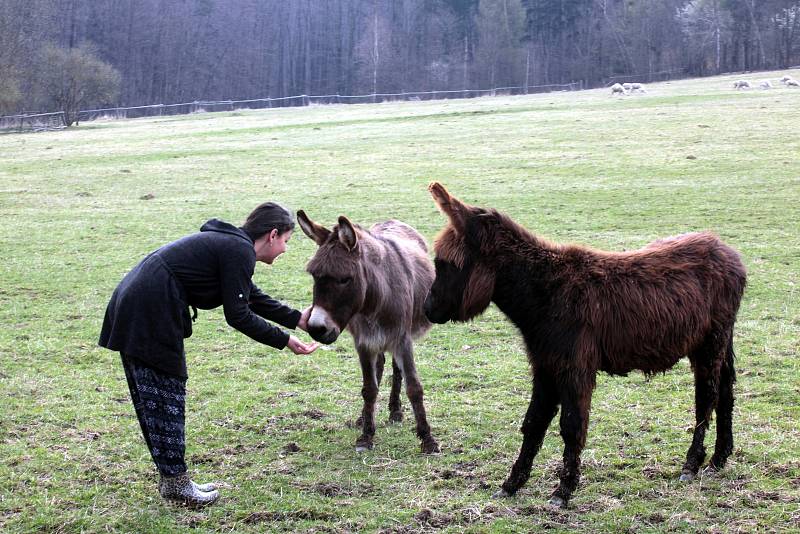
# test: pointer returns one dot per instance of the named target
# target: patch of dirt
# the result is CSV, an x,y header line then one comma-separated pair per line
x,y
279,423
294,515
465,470
192,520
313,413
18,460
217,456
333,489
555,515
291,447
773,496
283,467
783,470
429,518
11,513
653,472
86,434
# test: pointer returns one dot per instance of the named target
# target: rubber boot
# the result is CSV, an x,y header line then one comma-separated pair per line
x,y
211,486
180,489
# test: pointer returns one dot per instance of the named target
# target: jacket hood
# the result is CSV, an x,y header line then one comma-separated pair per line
x,y
215,225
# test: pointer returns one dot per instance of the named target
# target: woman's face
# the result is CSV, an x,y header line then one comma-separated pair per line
x,y
274,245
279,244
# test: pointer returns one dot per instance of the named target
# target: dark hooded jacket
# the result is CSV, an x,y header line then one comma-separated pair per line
x,y
148,315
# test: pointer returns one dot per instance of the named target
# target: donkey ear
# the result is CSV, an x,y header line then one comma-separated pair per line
x,y
319,234
347,233
455,210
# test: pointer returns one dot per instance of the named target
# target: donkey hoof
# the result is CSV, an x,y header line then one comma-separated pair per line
x,y
501,494
557,502
687,476
430,447
396,417
363,445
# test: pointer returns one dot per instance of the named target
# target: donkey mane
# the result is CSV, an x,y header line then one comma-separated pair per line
x,y
508,236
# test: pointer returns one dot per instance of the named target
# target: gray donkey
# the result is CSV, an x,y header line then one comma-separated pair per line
x,y
374,283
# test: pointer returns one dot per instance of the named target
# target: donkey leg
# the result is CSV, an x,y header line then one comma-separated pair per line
x,y
395,409
369,392
576,399
724,444
706,392
541,410
404,356
379,363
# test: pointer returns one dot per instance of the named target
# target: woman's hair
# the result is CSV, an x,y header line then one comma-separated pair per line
x,y
265,218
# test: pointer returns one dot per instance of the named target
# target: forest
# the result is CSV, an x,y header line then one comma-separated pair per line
x,y
167,51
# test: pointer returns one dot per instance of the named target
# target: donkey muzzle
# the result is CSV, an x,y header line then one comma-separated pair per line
x,y
434,315
321,327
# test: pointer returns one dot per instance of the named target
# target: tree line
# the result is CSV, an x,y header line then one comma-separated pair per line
x,y
165,51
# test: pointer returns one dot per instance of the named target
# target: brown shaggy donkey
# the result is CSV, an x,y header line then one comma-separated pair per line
x,y
374,283
581,311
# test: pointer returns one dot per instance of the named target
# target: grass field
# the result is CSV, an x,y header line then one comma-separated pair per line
x,y
80,207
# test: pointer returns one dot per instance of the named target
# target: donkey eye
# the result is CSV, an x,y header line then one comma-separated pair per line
x,y
344,281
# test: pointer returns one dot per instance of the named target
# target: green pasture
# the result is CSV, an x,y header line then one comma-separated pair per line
x,y
81,206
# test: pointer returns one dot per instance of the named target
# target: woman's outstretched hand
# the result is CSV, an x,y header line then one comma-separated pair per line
x,y
298,347
304,315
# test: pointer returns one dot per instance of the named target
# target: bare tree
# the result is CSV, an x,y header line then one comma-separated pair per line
x,y
705,24
499,53
72,78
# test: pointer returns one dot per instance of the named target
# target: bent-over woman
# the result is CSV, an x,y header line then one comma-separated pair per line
x,y
148,318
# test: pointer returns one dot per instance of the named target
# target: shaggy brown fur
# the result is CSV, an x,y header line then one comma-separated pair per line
x,y
582,310
374,283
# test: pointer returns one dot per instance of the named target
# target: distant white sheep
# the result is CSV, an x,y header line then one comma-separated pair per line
x,y
791,82
785,79
765,84
741,84
637,87
627,87
617,89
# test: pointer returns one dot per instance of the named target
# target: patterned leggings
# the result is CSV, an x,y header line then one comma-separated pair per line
x,y
158,399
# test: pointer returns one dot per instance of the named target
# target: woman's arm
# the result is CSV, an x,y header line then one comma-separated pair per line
x,y
236,272
271,309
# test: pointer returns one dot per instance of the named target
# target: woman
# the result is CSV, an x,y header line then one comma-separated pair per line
x,y
148,318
